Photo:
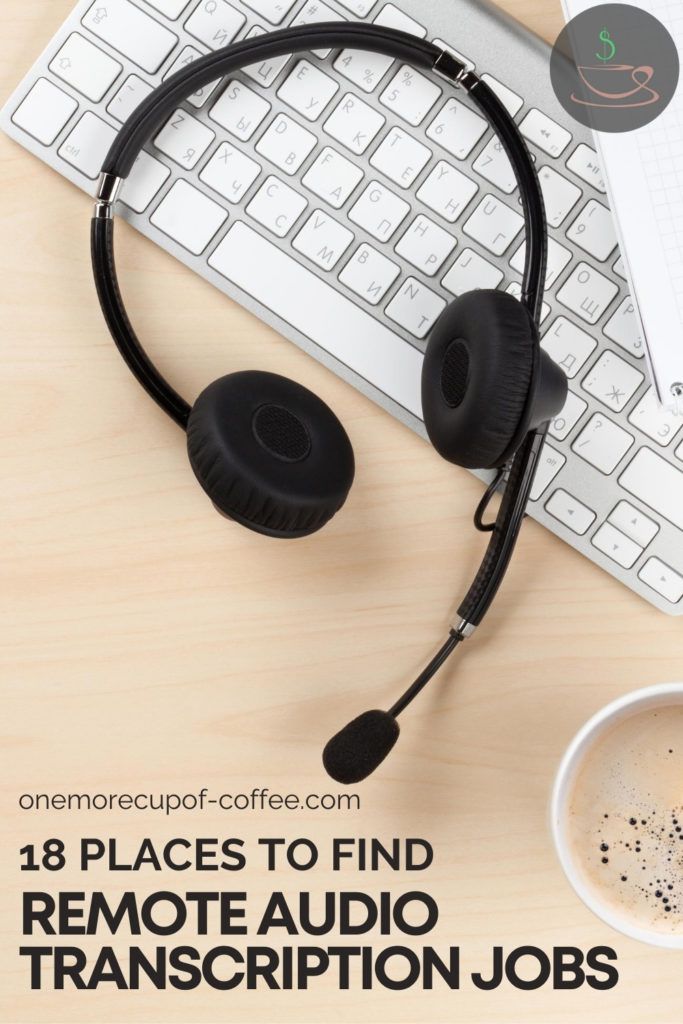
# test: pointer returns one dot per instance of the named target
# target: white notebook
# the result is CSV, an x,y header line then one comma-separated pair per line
x,y
644,176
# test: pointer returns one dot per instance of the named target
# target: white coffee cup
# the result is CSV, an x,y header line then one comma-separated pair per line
x,y
663,695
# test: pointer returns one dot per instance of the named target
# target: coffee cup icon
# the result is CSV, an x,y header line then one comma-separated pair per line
x,y
616,85
615,67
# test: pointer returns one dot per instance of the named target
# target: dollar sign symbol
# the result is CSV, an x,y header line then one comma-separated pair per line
x,y
607,42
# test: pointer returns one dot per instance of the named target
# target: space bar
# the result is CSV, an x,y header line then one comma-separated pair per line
x,y
319,312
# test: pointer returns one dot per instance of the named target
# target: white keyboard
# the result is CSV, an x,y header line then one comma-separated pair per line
x,y
379,194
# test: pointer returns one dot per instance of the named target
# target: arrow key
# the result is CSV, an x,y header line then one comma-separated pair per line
x,y
617,546
662,578
634,523
570,511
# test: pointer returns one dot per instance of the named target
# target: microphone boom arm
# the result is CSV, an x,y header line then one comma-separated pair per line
x,y
428,673
496,560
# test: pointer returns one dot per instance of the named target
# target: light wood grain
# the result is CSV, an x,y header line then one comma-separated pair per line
x,y
149,644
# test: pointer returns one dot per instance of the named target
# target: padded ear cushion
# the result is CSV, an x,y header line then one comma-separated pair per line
x,y
269,453
476,378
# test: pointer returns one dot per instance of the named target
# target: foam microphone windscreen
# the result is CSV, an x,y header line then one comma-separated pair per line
x,y
356,751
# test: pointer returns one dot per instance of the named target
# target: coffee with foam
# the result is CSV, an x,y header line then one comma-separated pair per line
x,y
625,818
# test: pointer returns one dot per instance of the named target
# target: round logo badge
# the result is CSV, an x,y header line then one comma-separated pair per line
x,y
614,68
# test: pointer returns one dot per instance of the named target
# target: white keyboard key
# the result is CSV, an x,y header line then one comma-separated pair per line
x,y
602,443
366,70
663,579
549,465
415,307
230,172
332,177
391,17
369,274
144,182
622,328
401,157
471,271
410,95
189,217
494,225
660,424
215,23
85,67
612,381
44,111
131,94
619,268
313,14
593,230
568,345
184,139
360,7
559,194
86,146
510,100
199,98
286,144
617,546
308,90
558,258
129,30
266,72
354,124
587,292
277,206
457,129
679,452
634,523
426,246
186,57
493,164
515,288
545,133
584,163
565,421
239,110
570,511
330,319
323,240
273,11
447,191
170,8
656,483
379,211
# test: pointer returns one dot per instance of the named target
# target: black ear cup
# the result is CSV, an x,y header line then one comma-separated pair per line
x,y
270,454
478,379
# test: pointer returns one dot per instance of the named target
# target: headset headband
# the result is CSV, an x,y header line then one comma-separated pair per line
x,y
149,116
157,107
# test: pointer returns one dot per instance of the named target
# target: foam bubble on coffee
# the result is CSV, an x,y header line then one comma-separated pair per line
x,y
625,824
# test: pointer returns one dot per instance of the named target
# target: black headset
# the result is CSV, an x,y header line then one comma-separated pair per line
x,y
272,456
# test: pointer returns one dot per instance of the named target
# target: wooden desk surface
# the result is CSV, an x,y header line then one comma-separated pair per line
x,y
149,644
